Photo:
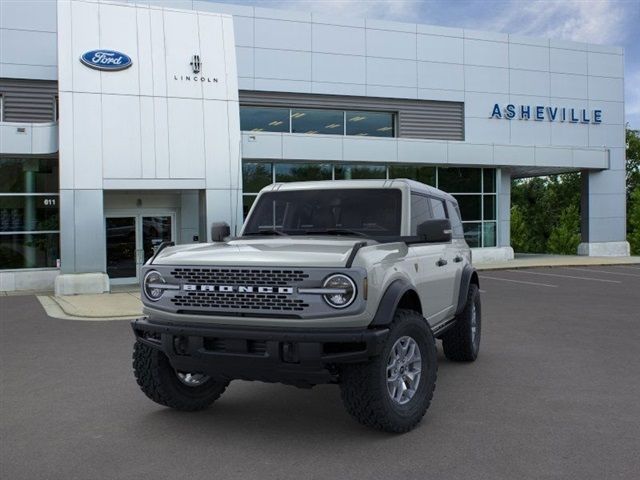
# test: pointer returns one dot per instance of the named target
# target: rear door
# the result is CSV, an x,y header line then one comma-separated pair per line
x,y
432,275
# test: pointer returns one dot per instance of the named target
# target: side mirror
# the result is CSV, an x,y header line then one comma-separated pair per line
x,y
435,230
220,231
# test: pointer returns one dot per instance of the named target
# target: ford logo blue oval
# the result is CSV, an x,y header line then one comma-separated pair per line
x,y
108,60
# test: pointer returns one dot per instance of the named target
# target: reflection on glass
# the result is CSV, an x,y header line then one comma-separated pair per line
x,y
155,230
247,202
470,207
28,213
264,119
372,124
489,207
329,122
489,180
459,180
473,234
256,176
28,175
489,234
300,172
421,174
29,250
354,172
121,247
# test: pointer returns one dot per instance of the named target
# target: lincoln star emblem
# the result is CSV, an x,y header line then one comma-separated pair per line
x,y
195,63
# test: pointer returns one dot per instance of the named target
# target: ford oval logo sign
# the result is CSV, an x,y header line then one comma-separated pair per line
x,y
108,60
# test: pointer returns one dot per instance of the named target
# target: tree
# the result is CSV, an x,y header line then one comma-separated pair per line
x,y
633,221
565,237
633,161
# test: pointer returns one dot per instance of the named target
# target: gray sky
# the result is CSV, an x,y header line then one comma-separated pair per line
x,y
609,22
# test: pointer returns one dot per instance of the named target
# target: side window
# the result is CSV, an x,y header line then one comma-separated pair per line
x,y
437,206
456,223
420,211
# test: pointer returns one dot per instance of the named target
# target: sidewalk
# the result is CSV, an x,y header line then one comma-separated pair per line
x,y
124,302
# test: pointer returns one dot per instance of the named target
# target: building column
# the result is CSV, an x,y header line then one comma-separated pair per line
x,y
603,209
224,205
82,243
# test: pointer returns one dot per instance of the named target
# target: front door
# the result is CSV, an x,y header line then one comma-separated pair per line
x,y
131,240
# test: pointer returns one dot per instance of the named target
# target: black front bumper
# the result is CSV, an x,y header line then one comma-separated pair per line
x,y
294,356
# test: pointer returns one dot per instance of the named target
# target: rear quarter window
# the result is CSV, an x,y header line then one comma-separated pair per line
x,y
456,223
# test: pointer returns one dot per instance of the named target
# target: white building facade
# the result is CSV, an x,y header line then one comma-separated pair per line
x,y
127,124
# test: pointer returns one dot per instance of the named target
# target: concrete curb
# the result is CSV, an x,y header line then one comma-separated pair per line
x,y
55,310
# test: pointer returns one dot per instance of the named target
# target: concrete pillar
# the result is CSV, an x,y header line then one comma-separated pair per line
x,y
82,243
603,209
224,205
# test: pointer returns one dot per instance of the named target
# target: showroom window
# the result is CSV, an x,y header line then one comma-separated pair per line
x,y
317,121
29,213
473,188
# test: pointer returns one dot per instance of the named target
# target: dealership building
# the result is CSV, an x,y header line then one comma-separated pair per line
x,y
123,125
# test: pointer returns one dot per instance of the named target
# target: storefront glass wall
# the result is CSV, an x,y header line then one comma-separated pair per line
x,y
29,218
474,188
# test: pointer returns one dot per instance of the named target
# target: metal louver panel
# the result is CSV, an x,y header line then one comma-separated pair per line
x,y
31,101
429,119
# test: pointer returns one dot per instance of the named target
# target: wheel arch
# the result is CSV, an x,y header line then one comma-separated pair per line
x,y
469,277
399,294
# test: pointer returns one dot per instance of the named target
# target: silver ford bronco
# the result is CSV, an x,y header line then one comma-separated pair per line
x,y
347,282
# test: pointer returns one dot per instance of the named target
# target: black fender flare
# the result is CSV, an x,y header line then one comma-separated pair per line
x,y
469,276
389,302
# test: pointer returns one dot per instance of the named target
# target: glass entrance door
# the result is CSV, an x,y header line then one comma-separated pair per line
x,y
121,247
131,241
155,230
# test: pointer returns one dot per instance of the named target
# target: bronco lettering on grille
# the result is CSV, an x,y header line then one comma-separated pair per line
x,y
237,289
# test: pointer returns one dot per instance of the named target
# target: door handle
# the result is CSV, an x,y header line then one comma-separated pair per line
x,y
457,259
441,263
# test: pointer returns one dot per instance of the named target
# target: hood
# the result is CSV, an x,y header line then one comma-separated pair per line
x,y
270,251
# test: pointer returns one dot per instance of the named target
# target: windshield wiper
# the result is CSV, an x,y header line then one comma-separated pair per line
x,y
337,231
266,232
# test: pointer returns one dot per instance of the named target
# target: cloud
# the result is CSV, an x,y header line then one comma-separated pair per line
x,y
578,20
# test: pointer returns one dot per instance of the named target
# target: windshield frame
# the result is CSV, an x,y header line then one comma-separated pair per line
x,y
336,230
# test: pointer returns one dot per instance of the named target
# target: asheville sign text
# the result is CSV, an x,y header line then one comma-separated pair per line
x,y
552,114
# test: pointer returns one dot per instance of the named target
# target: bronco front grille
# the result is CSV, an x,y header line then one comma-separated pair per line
x,y
239,301
237,276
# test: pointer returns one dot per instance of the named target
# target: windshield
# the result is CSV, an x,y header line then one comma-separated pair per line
x,y
370,212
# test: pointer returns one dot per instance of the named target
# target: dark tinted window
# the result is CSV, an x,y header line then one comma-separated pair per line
x,y
30,250
372,124
460,180
264,119
255,176
489,180
470,207
421,174
374,212
454,216
28,175
28,213
317,121
420,211
300,172
360,172
437,207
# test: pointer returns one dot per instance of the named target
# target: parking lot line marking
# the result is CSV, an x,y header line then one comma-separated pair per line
x,y
521,281
603,271
566,276
482,291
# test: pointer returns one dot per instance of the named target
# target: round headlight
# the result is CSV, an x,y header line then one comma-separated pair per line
x,y
344,291
151,287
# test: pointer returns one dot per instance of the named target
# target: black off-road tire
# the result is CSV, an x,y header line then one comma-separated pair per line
x,y
159,381
364,385
459,343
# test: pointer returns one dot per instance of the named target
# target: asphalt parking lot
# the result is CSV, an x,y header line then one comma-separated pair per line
x,y
555,393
